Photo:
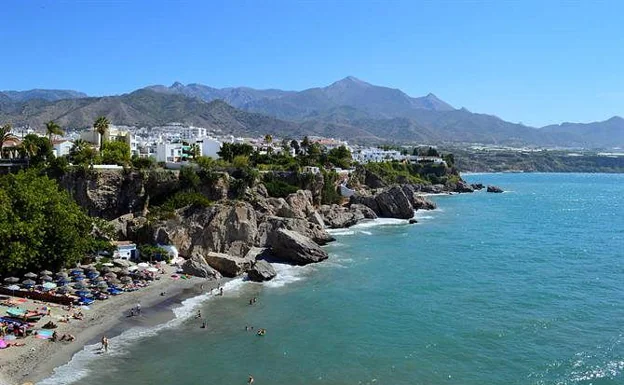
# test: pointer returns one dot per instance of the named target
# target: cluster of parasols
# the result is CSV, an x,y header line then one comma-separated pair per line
x,y
86,281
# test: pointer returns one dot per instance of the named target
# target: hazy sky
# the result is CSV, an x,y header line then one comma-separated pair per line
x,y
537,62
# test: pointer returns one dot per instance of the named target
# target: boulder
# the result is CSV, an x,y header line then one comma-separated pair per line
x,y
494,189
198,267
300,203
463,187
389,203
227,265
311,230
365,211
422,203
413,221
261,271
292,247
316,219
477,186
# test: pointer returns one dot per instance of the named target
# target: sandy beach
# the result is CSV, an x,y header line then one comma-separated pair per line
x,y
38,358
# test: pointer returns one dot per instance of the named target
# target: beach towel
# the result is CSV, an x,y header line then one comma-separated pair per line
x,y
44,334
3,345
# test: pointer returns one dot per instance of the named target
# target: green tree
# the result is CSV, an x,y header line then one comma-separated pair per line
x,y
82,153
340,157
229,150
5,136
305,144
295,145
37,149
101,126
240,161
189,179
52,128
115,152
41,226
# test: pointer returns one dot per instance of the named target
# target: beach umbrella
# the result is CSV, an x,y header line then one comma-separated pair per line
x,y
46,272
152,269
63,281
77,270
133,268
30,275
63,289
110,275
80,285
99,279
114,281
11,280
105,269
124,271
79,278
62,274
49,285
143,265
13,288
83,292
125,279
117,270
102,285
29,282
46,278
108,264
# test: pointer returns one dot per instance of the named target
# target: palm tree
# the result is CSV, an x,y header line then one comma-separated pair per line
x,y
53,129
101,126
5,136
268,139
195,151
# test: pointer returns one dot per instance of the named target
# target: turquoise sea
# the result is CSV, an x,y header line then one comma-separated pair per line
x,y
525,287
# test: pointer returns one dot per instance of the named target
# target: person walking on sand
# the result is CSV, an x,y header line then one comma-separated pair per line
x,y
250,380
105,343
138,308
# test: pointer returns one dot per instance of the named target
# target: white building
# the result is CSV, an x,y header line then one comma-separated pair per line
x,y
62,147
168,152
376,155
209,147
192,133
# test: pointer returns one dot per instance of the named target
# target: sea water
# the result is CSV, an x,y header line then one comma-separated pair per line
x,y
524,287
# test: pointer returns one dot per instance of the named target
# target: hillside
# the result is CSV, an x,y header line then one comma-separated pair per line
x,y
349,109
49,95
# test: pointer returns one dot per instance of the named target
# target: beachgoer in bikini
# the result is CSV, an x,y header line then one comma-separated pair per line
x,y
250,380
105,343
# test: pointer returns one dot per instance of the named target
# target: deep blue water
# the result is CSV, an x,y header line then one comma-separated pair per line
x,y
524,287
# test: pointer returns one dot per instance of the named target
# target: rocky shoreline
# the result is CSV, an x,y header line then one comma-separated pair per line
x,y
232,238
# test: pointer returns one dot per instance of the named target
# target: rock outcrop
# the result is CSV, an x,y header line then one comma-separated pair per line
x,y
198,267
335,216
227,265
292,247
418,201
463,187
494,189
261,271
389,203
477,186
222,228
302,226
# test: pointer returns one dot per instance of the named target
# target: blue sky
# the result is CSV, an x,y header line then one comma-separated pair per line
x,y
536,62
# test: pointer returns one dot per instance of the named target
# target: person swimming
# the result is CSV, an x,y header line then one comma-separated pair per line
x,y
203,326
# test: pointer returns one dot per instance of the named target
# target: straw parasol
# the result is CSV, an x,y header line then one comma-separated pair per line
x,y
90,268
46,272
29,282
105,269
125,279
11,280
63,289
13,288
124,271
80,285
102,285
62,274
30,275
114,281
110,275
46,278
99,278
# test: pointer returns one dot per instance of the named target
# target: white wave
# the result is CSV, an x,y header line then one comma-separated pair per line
x,y
366,232
379,222
340,232
287,274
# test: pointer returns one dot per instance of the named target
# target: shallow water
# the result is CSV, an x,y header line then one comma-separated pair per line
x,y
523,287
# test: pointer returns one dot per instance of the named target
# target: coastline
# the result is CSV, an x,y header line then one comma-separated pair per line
x,y
39,359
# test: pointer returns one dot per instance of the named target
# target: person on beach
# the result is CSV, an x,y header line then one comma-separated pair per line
x,y
105,343
220,291
255,299
203,326
251,301
198,314
250,380
138,308
54,336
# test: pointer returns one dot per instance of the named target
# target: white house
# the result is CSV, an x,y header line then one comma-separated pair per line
x,y
168,152
209,146
192,133
62,147
125,250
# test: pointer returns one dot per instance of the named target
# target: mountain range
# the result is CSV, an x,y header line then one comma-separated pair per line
x,y
349,109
